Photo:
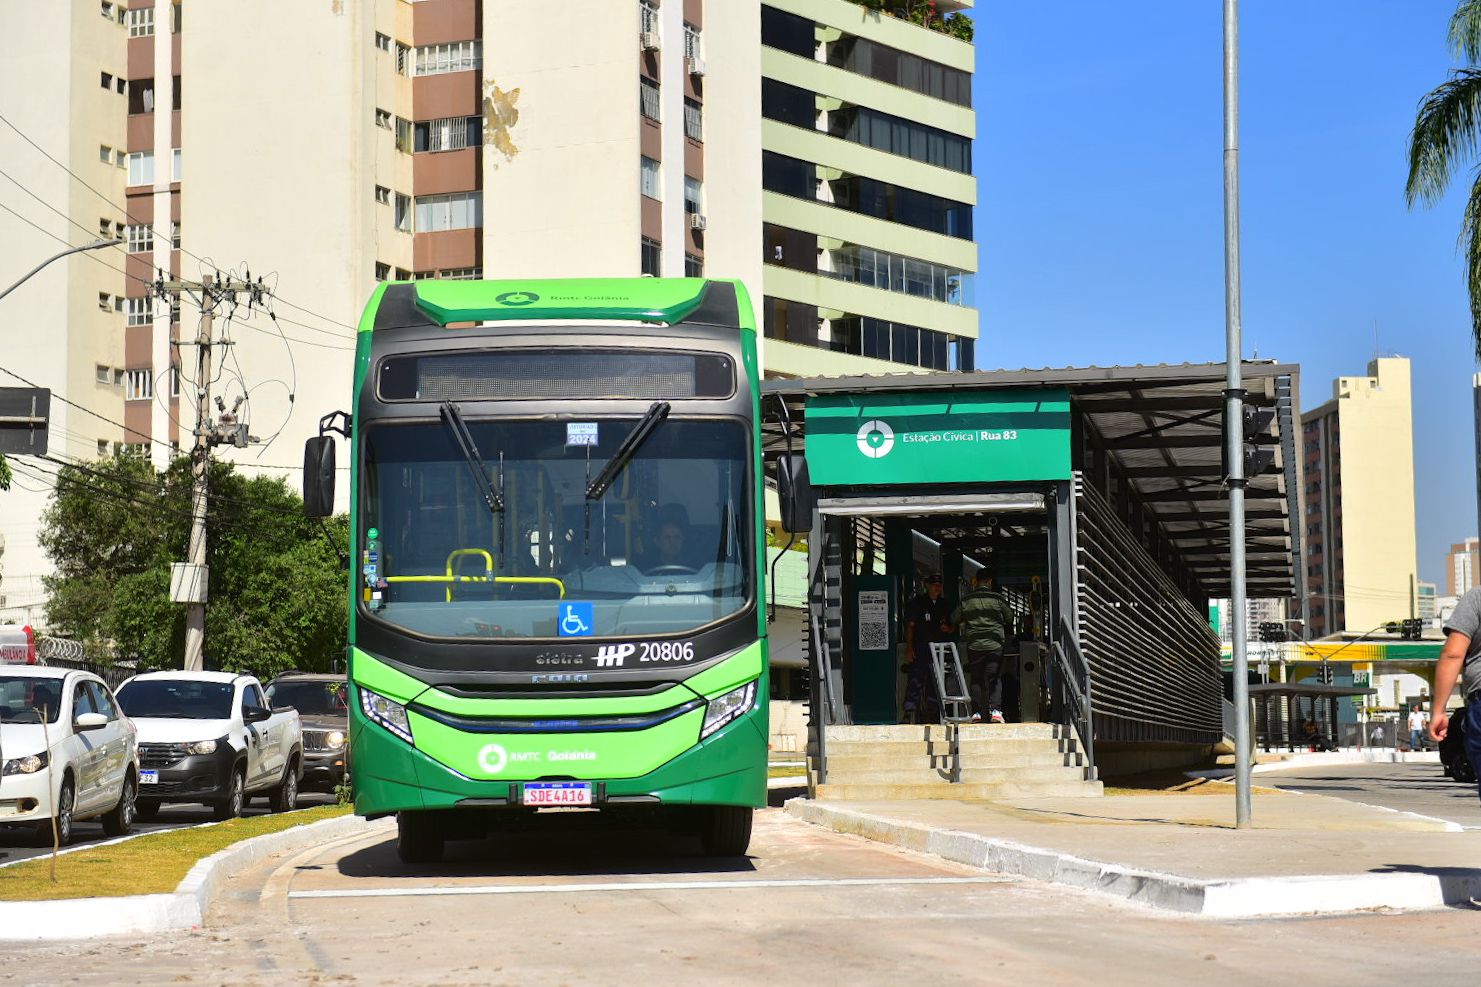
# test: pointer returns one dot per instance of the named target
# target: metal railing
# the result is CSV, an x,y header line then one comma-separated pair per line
x,y
956,701
1072,675
823,711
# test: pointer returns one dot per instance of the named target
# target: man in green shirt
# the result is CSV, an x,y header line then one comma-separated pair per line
x,y
984,621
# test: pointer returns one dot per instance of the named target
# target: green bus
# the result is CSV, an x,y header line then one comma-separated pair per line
x,y
557,556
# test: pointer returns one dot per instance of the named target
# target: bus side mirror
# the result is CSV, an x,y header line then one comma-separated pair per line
x,y
794,493
318,476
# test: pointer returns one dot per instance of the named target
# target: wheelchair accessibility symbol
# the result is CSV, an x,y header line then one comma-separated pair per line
x,y
575,620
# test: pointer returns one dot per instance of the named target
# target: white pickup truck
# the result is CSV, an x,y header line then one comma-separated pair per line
x,y
210,737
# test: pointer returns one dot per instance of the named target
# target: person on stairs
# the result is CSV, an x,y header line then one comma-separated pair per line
x,y
983,620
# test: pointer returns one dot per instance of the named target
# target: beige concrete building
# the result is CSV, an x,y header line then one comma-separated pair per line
x,y
1462,563
1358,471
818,150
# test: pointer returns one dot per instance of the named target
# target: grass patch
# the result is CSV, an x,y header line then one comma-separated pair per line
x,y
1173,783
785,770
152,864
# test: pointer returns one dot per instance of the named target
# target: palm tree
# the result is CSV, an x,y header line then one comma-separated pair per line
x,y
1447,131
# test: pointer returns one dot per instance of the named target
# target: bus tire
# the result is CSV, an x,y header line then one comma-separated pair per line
x,y
727,831
418,839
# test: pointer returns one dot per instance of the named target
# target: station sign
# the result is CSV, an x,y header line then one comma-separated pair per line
x,y
1019,435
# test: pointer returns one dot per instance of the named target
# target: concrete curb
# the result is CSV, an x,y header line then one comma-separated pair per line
x,y
184,908
1221,898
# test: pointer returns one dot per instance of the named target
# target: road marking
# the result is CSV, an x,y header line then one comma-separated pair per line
x,y
641,886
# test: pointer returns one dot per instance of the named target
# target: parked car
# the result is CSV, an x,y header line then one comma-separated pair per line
x,y
1453,757
17,645
210,737
66,752
322,702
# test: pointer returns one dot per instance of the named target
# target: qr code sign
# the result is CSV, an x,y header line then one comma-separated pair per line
x,y
874,621
874,637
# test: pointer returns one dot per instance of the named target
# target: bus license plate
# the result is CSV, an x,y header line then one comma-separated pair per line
x,y
149,777
557,793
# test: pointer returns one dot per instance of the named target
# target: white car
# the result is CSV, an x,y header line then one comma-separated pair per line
x,y
66,751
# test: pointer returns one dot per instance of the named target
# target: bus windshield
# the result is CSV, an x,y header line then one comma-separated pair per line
x,y
540,551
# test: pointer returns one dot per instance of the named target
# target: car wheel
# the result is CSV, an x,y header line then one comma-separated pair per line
x,y
231,806
284,798
727,833
146,809
418,838
66,801
119,821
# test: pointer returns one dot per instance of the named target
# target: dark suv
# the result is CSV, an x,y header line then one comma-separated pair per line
x,y
322,704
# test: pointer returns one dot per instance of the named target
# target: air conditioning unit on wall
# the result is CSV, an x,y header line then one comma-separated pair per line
x,y
648,40
695,66
697,221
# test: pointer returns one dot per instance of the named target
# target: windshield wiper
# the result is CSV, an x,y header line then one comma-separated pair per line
x,y
453,419
657,412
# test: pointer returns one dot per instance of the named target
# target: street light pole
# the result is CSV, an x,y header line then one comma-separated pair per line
x,y
1234,417
95,245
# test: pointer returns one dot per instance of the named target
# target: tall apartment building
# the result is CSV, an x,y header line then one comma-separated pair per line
x,y
818,150
1358,471
1462,564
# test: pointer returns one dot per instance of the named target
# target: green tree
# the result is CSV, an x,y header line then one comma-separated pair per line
x,y
1446,130
278,595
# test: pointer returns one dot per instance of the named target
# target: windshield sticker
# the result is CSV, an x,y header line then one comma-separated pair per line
x,y
581,433
575,619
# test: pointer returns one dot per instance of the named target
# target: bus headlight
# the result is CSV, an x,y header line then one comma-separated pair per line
x,y
387,712
724,708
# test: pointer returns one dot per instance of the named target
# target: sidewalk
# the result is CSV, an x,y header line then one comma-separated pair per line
x,y
1306,854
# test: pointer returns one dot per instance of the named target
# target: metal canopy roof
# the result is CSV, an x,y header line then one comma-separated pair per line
x,y
1162,428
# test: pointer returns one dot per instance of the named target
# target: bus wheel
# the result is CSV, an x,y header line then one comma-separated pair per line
x,y
727,832
418,840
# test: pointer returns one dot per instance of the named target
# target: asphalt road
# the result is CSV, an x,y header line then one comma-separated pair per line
x,y
1421,788
19,843
603,906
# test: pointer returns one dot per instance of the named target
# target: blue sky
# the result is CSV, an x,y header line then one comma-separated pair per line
x,y
1098,158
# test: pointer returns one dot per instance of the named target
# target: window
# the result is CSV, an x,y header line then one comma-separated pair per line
x,y
105,375
104,227
693,120
459,274
105,302
459,211
893,272
118,303
107,11
788,104
140,238
176,17
693,195
121,161
692,47
175,235
105,154
140,386
402,274
647,17
102,448
649,180
403,59
383,195
119,374
383,41
141,168
175,381
459,56
120,85
403,212
383,118
448,134
901,68
403,135
648,98
141,311
141,22
382,271
141,96
897,135
694,266
106,80
651,251
787,32
175,165
175,309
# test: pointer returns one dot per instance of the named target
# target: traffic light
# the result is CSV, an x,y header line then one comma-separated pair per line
x,y
1255,424
1324,674
1413,629
1272,631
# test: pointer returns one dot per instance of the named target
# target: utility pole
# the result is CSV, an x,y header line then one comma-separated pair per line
x,y
1234,416
189,581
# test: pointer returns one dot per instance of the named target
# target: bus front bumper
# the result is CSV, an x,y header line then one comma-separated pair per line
x,y
728,768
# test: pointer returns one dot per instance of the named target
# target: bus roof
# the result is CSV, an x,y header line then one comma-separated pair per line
x,y
664,300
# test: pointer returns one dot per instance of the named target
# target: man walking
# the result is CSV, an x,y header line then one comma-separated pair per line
x,y
984,619
925,625
1461,656
1416,728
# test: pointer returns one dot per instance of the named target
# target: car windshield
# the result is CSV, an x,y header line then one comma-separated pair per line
x,y
29,699
176,698
663,549
310,698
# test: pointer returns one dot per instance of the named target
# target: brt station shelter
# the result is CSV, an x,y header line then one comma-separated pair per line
x,y
1096,496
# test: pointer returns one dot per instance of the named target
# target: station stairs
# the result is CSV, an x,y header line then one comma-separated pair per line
x,y
999,761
